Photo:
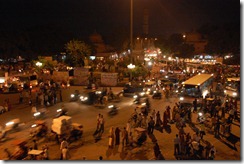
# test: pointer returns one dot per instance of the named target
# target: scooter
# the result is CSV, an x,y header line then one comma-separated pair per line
x,y
40,114
75,96
137,99
61,112
12,125
113,110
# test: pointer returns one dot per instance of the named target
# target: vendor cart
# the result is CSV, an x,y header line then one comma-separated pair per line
x,y
64,128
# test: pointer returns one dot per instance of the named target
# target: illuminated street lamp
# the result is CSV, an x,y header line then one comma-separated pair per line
x,y
39,64
131,66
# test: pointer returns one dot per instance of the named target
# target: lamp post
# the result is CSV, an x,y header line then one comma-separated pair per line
x,y
131,66
131,29
39,64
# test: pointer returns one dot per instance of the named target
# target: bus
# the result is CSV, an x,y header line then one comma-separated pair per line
x,y
29,80
232,87
130,90
197,86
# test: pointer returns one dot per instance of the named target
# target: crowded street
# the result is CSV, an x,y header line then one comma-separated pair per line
x,y
86,147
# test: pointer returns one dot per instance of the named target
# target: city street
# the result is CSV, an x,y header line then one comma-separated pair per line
x,y
86,115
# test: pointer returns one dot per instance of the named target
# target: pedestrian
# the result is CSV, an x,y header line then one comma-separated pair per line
x,y
117,136
8,153
101,122
33,109
151,124
20,97
153,114
37,97
217,128
111,137
65,153
176,145
168,113
158,120
60,95
64,144
35,147
100,158
128,126
46,152
125,137
195,105
98,121
165,119
202,130
212,152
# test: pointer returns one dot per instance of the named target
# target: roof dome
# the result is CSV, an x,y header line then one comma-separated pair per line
x,y
96,38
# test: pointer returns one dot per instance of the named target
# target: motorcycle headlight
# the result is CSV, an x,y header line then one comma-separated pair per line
x,y
142,93
234,94
72,95
181,98
200,114
59,110
9,123
143,104
34,125
37,114
135,96
224,91
110,106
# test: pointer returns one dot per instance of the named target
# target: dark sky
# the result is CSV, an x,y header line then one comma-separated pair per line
x,y
86,16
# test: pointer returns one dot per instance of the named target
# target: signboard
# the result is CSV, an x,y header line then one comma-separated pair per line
x,y
109,79
81,76
60,76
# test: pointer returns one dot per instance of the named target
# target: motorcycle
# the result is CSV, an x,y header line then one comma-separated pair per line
x,y
157,94
75,96
113,110
12,125
200,117
137,99
61,112
40,114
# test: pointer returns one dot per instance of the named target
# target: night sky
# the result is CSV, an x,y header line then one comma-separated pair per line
x,y
86,16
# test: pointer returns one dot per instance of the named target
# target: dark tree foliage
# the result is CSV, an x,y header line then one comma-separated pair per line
x,y
222,39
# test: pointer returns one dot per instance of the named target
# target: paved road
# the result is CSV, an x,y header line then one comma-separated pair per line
x,y
86,115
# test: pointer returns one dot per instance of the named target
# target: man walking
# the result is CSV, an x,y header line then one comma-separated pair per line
x,y
151,124
101,122
125,136
176,145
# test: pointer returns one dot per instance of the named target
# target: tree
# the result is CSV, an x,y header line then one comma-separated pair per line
x,y
186,50
77,52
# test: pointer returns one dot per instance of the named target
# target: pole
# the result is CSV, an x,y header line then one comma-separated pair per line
x,y
131,29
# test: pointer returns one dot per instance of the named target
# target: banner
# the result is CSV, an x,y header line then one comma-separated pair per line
x,y
81,76
109,79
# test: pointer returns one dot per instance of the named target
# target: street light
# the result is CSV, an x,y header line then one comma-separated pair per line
x,y
131,28
131,66
39,64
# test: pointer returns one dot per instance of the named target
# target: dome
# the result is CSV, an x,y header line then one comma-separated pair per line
x,y
96,38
